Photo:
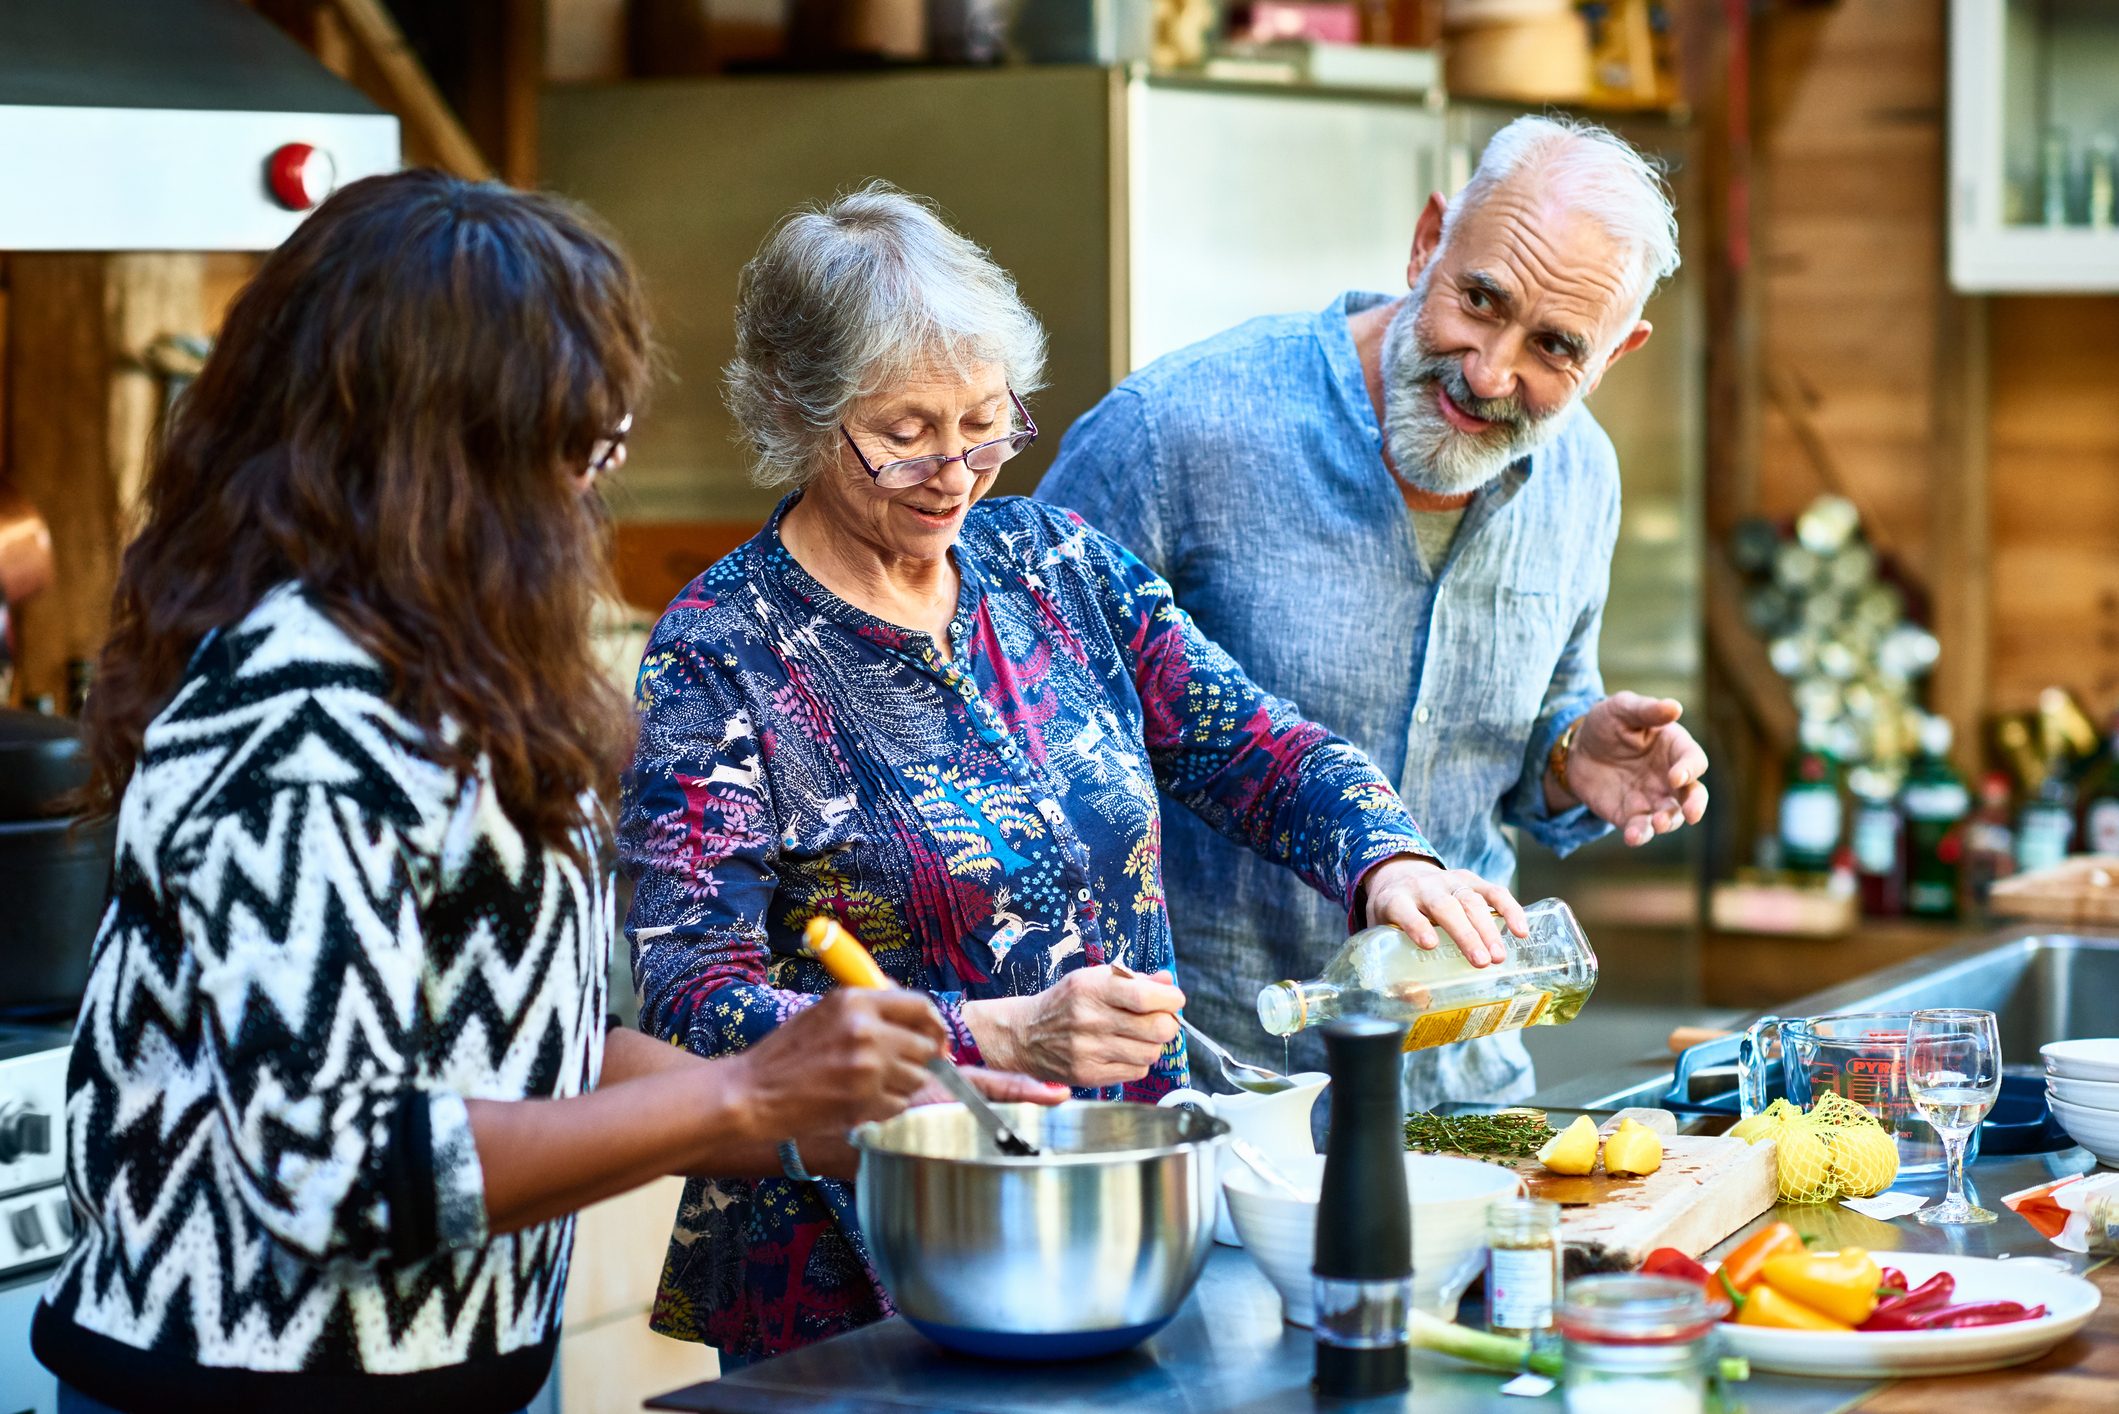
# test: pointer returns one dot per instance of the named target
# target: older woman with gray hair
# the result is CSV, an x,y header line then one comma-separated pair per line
x,y
942,721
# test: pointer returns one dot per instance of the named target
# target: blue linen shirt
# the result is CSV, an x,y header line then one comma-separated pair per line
x,y
1248,471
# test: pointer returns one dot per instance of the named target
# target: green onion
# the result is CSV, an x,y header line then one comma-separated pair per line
x,y
1512,1352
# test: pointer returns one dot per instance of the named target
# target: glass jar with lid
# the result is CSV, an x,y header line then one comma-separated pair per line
x,y
1635,1343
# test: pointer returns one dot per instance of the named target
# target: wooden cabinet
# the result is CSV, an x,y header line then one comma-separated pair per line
x,y
2034,145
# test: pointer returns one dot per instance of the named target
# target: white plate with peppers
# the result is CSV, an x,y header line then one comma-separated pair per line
x,y
1931,1313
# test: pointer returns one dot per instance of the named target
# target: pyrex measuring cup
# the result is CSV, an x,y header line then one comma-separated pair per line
x,y
1860,1055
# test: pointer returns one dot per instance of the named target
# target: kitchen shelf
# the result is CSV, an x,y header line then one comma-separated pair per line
x,y
2026,75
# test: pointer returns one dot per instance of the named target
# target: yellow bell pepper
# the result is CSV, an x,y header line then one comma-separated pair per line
x,y
1842,1286
1767,1307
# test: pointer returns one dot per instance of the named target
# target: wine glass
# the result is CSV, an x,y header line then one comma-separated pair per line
x,y
1953,1074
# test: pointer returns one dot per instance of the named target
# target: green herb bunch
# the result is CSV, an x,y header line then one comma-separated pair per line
x,y
1511,1134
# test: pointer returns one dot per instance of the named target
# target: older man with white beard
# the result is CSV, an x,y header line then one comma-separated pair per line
x,y
1396,513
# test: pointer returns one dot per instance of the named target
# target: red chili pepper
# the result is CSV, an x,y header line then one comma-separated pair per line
x,y
1894,1280
1669,1262
1979,1313
1904,1312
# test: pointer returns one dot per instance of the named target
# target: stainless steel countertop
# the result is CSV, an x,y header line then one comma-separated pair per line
x,y
1228,1352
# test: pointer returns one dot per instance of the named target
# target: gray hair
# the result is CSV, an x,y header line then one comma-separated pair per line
x,y
846,300
1593,171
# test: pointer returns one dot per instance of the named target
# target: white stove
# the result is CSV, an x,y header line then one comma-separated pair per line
x,y
36,1220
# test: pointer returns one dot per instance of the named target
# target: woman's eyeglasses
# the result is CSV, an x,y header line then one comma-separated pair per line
x,y
611,450
984,458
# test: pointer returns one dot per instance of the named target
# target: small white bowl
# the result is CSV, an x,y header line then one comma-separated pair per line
x,y
1450,1198
2090,1094
2095,1130
2092,1059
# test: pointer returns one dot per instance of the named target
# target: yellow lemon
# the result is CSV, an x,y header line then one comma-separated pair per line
x,y
1573,1150
1634,1149
1864,1159
1805,1165
1766,1123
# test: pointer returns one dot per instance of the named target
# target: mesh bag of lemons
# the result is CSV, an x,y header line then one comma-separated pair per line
x,y
1836,1149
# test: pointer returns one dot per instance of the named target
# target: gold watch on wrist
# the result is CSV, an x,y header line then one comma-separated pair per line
x,y
1556,759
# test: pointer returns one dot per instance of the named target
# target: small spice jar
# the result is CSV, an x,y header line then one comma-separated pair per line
x,y
1522,1268
1636,1343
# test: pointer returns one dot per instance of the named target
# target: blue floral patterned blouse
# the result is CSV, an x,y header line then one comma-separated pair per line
x,y
985,823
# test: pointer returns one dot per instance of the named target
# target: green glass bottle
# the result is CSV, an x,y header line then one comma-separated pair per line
x,y
1812,816
1934,803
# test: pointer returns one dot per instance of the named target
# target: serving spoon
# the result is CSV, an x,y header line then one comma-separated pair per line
x,y
1256,1079
852,965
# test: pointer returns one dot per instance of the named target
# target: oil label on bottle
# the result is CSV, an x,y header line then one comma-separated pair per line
x,y
1468,1023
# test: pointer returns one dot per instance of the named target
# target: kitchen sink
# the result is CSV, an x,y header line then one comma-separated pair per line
x,y
2041,986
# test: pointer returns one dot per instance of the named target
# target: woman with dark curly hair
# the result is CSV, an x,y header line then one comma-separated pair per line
x,y
331,1103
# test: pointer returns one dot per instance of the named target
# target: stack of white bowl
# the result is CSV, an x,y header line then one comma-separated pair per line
x,y
2082,1086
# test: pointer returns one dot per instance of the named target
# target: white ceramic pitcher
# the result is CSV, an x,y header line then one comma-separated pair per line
x,y
1277,1125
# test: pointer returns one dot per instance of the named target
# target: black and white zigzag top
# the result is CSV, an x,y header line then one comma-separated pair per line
x,y
319,945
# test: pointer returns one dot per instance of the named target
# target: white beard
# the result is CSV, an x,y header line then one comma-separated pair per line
x,y
1427,452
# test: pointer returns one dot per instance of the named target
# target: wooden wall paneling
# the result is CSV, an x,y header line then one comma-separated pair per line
x,y
81,410
1851,134
2053,498
652,560
1715,63
1959,527
1714,55
522,64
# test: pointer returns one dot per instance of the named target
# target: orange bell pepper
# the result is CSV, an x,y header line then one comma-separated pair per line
x,y
1765,1306
1842,1286
1741,1267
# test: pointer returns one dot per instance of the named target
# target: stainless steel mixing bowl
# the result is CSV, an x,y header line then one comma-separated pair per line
x,y
1081,1250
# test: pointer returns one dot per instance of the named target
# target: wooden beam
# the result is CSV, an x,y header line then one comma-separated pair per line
x,y
522,42
411,94
1714,39
81,411
1742,659
1960,578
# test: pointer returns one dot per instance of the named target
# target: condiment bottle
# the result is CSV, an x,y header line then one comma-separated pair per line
x,y
1635,1343
1523,1254
1542,980
1363,1267
1935,804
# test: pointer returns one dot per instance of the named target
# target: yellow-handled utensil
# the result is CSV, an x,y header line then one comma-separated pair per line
x,y
852,965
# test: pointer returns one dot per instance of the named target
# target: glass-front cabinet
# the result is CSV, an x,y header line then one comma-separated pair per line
x,y
2034,145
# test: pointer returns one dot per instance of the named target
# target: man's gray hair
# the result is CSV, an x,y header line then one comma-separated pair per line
x,y
847,300
1593,171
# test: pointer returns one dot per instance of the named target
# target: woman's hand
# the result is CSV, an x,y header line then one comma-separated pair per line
x,y
1000,1086
853,1057
1091,1028
1418,895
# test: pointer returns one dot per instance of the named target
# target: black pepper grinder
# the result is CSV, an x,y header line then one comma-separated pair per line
x,y
1363,1269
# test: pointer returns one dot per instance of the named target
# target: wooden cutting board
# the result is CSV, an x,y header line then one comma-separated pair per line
x,y
1707,1188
